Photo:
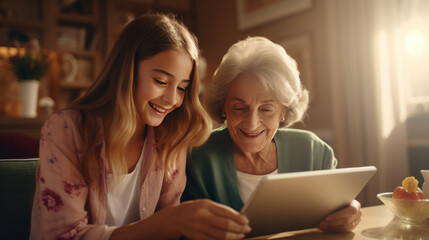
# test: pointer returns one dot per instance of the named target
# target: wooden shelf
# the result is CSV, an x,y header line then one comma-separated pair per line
x,y
64,30
74,85
77,19
27,126
88,54
22,122
418,143
118,12
87,32
22,24
81,53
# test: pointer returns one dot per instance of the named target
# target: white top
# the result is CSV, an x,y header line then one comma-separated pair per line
x,y
248,182
123,201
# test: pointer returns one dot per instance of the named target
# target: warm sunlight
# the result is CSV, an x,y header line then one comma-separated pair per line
x,y
415,43
385,84
416,59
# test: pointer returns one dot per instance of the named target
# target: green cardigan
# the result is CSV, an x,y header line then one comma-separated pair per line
x,y
211,168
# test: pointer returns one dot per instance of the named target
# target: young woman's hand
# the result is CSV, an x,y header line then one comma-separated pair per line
x,y
198,219
205,219
344,220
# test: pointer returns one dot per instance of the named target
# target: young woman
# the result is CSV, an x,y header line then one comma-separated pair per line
x,y
112,165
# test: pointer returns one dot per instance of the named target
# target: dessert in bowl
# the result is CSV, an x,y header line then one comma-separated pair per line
x,y
408,210
407,202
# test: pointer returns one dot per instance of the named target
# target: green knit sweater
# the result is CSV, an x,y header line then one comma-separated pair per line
x,y
211,168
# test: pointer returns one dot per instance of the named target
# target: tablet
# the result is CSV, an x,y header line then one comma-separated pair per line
x,y
300,200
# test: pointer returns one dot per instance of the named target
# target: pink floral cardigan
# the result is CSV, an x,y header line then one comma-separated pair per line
x,y
65,207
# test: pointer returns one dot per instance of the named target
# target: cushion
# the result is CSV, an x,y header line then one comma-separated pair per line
x,y
15,145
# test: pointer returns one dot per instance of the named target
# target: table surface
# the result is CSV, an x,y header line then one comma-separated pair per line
x,y
378,222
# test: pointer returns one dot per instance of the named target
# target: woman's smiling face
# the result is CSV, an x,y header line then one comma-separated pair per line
x,y
253,114
161,84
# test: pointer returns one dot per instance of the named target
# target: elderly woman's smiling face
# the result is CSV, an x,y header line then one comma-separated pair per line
x,y
253,114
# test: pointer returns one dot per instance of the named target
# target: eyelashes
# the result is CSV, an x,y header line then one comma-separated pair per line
x,y
159,82
181,89
163,83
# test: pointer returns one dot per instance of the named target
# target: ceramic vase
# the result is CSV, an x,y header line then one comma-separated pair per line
x,y
29,95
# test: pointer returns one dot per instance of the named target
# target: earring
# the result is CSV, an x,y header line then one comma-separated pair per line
x,y
224,115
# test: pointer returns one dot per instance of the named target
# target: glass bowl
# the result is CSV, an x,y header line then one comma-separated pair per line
x,y
408,210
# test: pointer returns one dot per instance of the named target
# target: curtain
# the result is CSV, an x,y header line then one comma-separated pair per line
x,y
369,79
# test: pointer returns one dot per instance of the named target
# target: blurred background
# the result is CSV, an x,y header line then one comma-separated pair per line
x,y
365,63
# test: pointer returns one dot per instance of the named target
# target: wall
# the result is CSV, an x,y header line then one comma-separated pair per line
x,y
217,31
418,142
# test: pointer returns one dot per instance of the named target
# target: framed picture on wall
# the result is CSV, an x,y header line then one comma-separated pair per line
x,y
251,13
299,48
71,38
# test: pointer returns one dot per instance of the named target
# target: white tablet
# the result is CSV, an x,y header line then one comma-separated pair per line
x,y
299,200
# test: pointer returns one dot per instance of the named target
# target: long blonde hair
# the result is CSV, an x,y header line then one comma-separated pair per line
x,y
113,93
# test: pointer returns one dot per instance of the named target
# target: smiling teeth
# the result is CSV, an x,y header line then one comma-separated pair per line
x,y
162,110
252,135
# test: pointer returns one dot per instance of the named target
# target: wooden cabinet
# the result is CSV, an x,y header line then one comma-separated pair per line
x,y
120,12
79,32
71,29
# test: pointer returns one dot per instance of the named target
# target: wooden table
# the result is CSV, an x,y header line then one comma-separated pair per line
x,y
378,222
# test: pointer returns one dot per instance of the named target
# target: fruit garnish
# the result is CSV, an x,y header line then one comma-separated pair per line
x,y
408,190
410,184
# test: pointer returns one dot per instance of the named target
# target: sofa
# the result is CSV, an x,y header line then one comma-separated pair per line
x,y
17,186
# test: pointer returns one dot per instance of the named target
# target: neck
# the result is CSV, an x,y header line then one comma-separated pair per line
x,y
257,163
133,148
140,131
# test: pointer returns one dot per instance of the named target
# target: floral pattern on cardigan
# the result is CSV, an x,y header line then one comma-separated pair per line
x,y
65,207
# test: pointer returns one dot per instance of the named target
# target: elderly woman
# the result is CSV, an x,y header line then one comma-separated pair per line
x,y
257,92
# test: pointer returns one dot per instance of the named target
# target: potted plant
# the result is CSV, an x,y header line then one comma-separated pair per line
x,y
29,64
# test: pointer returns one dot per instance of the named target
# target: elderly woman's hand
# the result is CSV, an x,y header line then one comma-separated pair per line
x,y
344,220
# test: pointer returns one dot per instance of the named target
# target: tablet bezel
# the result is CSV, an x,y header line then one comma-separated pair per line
x,y
300,200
